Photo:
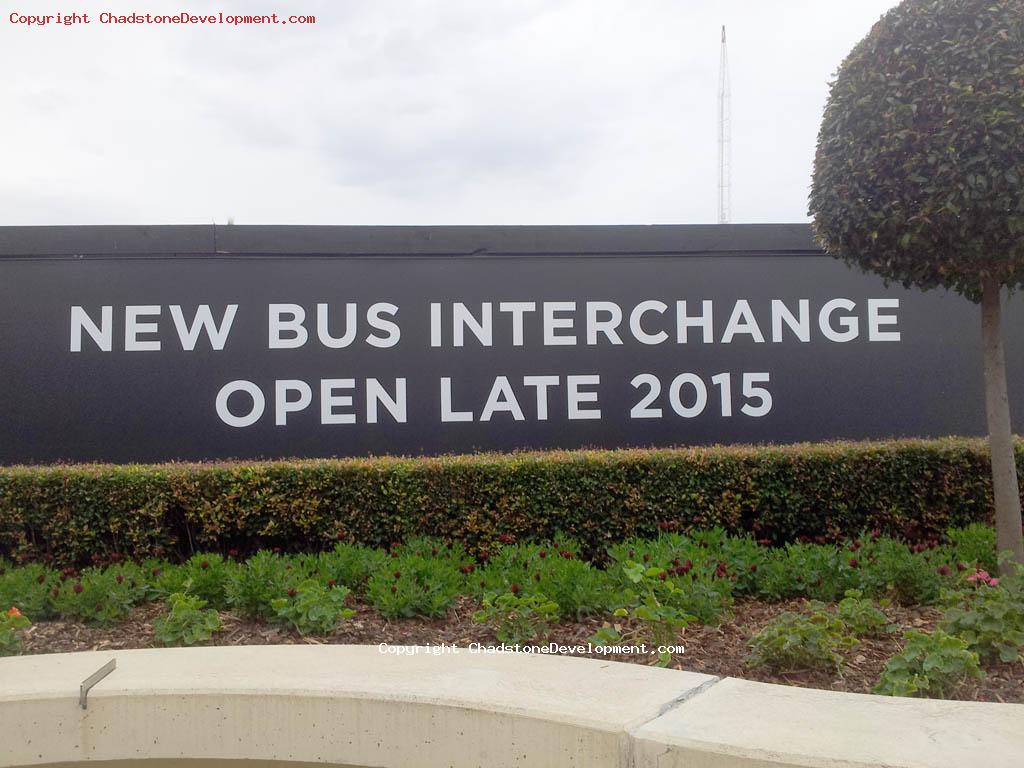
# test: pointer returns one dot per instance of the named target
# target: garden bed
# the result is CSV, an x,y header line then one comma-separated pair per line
x,y
861,615
718,650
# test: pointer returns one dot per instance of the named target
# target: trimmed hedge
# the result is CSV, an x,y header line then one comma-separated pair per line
x,y
74,513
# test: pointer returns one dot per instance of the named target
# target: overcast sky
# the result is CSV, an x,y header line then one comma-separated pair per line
x,y
407,112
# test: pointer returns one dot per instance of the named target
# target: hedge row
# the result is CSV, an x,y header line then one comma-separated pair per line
x,y
914,489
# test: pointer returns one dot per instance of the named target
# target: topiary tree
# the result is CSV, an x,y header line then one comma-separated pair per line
x,y
918,176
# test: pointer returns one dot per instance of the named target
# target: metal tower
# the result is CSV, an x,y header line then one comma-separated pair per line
x,y
724,138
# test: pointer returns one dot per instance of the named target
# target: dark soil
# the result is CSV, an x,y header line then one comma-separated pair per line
x,y
712,650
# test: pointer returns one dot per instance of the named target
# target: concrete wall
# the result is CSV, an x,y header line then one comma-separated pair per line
x,y
354,706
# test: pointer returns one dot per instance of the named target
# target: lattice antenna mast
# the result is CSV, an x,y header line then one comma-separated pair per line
x,y
724,138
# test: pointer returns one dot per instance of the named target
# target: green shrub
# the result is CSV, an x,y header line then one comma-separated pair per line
x,y
100,595
206,577
793,641
30,589
414,585
66,514
932,665
12,622
251,588
706,600
554,570
890,568
815,571
188,621
351,565
974,545
518,619
312,608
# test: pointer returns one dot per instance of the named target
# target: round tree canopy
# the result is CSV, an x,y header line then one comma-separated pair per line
x,y
920,161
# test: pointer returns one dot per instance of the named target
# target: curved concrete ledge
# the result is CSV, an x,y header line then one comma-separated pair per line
x,y
354,706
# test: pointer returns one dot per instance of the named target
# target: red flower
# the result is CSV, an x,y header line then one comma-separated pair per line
x,y
506,538
943,570
647,557
394,554
663,575
292,592
978,576
41,578
853,562
331,583
205,564
156,573
514,589
398,574
99,607
393,590
119,579
753,568
14,613
961,567
765,542
78,588
542,554
675,562
984,578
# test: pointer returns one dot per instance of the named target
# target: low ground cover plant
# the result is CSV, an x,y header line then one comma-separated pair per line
x,y
188,622
795,641
930,665
649,604
860,615
989,616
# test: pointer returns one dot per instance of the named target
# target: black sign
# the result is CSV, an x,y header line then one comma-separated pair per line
x,y
128,345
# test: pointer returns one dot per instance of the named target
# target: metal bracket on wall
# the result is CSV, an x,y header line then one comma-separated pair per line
x,y
91,680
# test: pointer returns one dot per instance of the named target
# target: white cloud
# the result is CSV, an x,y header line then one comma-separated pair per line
x,y
399,112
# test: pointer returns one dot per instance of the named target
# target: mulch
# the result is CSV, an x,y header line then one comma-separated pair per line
x,y
717,650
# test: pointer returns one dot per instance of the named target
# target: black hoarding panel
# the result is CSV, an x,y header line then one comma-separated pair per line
x,y
546,337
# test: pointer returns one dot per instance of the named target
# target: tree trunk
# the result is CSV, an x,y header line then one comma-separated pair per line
x,y
1000,438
